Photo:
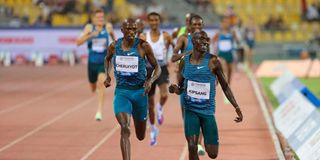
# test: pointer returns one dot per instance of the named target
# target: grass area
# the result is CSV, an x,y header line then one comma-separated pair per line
x,y
312,83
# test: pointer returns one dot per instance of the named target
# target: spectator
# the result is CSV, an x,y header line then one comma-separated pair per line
x,y
49,19
40,22
279,23
69,7
9,12
87,6
274,23
312,12
270,23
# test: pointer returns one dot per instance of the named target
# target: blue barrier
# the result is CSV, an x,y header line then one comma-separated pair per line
x,y
311,97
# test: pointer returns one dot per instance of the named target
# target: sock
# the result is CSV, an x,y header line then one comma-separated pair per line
x,y
159,107
153,127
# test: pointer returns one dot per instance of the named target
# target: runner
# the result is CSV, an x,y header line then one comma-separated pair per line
x,y
140,28
160,43
184,45
128,54
177,32
196,82
97,37
224,40
250,36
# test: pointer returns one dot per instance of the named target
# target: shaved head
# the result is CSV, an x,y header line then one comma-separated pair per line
x,y
140,25
128,21
129,29
200,41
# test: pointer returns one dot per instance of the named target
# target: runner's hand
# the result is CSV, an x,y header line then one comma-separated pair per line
x,y
239,113
147,87
173,88
107,82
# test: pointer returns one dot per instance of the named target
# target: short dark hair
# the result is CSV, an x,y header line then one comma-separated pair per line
x,y
154,14
195,16
97,11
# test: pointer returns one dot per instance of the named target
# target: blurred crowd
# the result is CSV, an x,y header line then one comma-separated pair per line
x,y
117,10
312,12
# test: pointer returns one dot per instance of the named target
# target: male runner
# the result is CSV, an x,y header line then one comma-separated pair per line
x,y
224,40
183,30
97,37
160,43
140,28
184,44
129,56
197,76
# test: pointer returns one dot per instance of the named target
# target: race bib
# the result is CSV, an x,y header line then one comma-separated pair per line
x,y
200,91
225,45
99,44
127,65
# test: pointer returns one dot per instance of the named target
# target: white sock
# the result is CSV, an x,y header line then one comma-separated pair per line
x,y
153,127
159,107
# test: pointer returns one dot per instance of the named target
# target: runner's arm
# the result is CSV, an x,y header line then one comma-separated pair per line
x,y
180,77
178,89
143,36
152,60
175,33
168,40
107,61
85,35
110,30
217,70
236,37
179,46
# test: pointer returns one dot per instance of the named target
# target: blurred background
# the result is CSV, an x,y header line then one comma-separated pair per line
x,y
284,28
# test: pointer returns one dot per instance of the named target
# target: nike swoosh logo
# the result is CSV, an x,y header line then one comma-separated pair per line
x,y
200,67
131,53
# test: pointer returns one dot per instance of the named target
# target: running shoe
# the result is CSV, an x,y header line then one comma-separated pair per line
x,y
98,116
201,151
153,135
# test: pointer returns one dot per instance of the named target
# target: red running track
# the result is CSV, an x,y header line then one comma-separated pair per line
x,y
48,113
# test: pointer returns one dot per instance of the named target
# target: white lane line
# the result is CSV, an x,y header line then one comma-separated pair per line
x,y
78,106
103,140
184,152
266,115
38,98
